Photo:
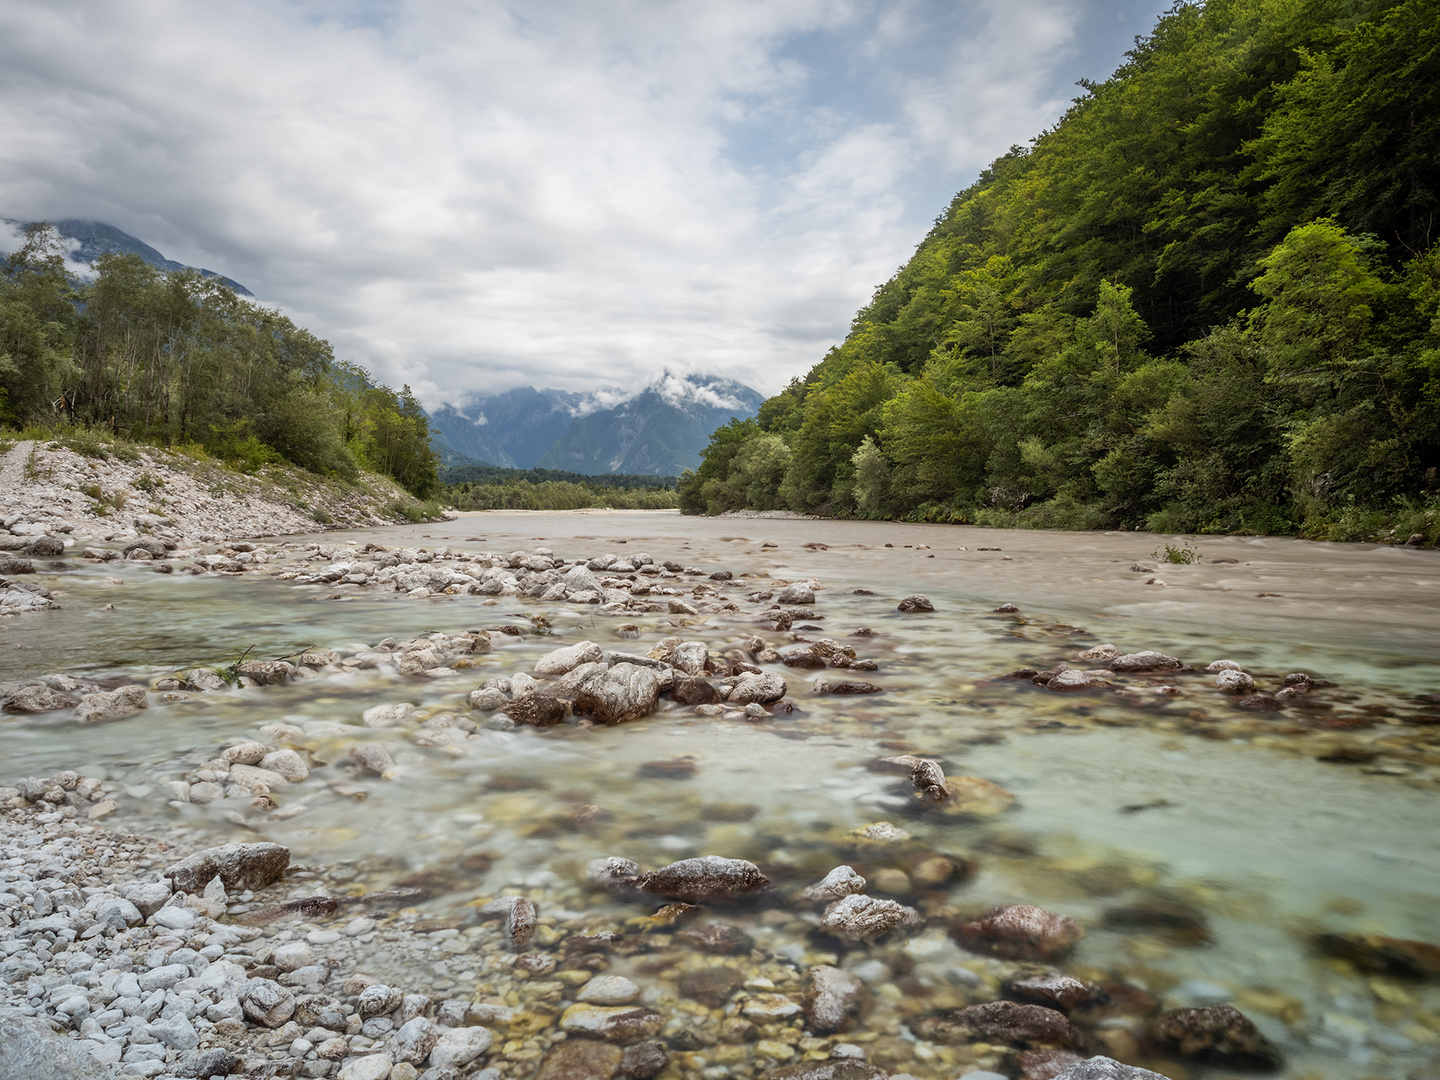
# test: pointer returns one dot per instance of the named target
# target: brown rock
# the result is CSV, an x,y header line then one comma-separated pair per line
x,y
706,879
266,672
915,603
537,710
644,1060
613,1023
239,867
711,986
1216,1034
820,686
1020,932
1385,955
865,918
834,1069
581,1059
1053,989
973,796
1176,920
719,939
999,1021
1045,1064
694,690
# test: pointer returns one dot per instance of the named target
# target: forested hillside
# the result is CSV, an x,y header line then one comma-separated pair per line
x,y
178,359
1208,299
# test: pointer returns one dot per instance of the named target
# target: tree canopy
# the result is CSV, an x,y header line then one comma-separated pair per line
x,y
1206,299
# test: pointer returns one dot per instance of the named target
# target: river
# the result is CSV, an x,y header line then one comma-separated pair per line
x,y
1122,799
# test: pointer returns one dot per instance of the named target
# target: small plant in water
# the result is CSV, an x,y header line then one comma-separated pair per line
x,y
1179,555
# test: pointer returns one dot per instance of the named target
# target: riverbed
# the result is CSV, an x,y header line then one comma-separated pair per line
x,y
1269,829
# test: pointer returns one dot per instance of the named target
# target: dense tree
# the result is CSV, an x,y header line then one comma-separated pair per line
x,y
179,358
1207,298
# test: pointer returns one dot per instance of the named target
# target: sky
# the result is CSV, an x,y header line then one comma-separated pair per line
x,y
469,197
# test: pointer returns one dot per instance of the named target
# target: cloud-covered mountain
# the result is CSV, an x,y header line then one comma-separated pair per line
x,y
511,429
86,241
660,431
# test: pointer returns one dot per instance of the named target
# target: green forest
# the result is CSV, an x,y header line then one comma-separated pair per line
x,y
479,486
1206,300
179,360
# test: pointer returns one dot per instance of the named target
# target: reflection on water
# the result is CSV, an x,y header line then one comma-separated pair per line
x,y
1127,802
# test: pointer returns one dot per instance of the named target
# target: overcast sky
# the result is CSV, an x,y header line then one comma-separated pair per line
x,y
473,196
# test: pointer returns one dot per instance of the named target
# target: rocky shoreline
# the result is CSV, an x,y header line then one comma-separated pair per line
x,y
125,492
334,971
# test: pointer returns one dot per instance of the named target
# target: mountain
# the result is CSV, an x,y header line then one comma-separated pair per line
x,y
94,238
658,432
661,431
511,429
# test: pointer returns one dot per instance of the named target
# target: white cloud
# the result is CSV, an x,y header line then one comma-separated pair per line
x,y
557,193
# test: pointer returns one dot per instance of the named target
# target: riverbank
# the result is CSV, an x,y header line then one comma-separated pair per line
x,y
1206,848
118,491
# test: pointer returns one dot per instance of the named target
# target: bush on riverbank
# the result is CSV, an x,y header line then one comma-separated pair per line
x,y
1208,300
176,359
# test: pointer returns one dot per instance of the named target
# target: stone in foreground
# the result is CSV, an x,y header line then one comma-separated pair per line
x,y
239,867
1020,932
706,879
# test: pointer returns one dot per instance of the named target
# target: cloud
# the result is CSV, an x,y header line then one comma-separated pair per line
x,y
561,193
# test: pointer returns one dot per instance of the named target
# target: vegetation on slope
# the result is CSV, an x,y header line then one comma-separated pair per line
x,y
177,359
1208,299
488,487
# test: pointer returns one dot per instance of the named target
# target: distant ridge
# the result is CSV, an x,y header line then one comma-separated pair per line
x,y
659,431
95,238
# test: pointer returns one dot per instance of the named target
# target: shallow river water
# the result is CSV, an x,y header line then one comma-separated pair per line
x,y
1122,799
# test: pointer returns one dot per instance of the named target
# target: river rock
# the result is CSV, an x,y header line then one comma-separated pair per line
x,y
387,715
378,999
1071,679
1223,665
644,1060
718,939
125,701
712,986
1104,1068
1020,932
608,990
520,924
822,687
1385,955
799,592
45,547
31,1050
569,658
1144,661
255,779
865,918
915,602
368,1067
689,657
707,879
610,695
267,1002
765,688
1000,1021
458,1047
266,672
833,1069
238,866
1053,989
36,698
537,710
834,999
976,797
840,882
249,752
617,1024
204,680
1106,651
288,763
612,872
373,758
1234,682
694,690
10,566
580,1059
414,1041
1216,1034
